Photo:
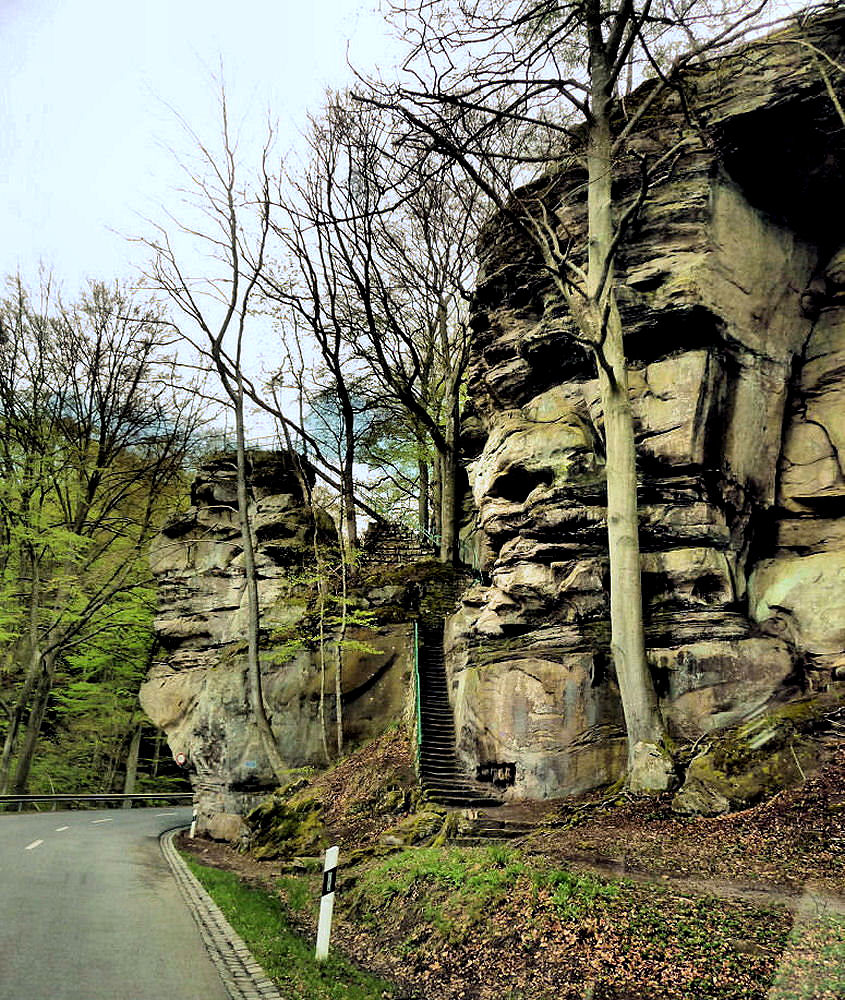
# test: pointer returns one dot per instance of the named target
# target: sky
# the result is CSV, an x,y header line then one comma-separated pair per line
x,y
89,133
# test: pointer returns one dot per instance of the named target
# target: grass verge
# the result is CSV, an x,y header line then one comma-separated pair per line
x,y
463,918
496,923
259,918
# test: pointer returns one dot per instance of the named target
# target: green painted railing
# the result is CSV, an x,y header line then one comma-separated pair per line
x,y
417,691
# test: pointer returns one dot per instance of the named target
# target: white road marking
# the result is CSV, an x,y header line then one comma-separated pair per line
x,y
33,845
60,829
101,821
165,814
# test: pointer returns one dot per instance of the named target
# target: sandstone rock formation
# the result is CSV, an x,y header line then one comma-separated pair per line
x,y
197,691
733,301
732,293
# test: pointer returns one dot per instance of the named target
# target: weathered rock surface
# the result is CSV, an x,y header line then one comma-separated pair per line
x,y
732,293
198,691
732,297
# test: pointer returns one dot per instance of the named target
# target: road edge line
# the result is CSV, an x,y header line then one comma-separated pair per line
x,y
243,978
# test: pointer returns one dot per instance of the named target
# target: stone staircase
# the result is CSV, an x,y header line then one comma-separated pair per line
x,y
395,544
480,829
441,777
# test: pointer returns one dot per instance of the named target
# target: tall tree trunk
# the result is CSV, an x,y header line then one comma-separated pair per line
x,y
649,768
156,754
132,764
447,513
437,498
31,677
450,516
422,498
449,501
642,715
16,714
34,723
348,481
256,694
308,496
338,675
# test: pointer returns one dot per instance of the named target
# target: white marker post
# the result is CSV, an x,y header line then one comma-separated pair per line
x,y
193,832
324,928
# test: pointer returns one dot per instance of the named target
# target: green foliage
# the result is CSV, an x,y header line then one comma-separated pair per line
x,y
455,888
813,966
323,615
91,443
296,892
395,442
259,919
573,895
452,888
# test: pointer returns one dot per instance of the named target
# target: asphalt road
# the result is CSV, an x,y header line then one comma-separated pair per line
x,y
89,910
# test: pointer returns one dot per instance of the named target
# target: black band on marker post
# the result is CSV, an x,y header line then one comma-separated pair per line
x,y
329,879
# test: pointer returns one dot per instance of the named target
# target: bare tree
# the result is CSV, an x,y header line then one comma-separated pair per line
x,y
490,82
236,225
384,251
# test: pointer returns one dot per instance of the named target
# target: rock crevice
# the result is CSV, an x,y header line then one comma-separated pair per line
x,y
731,302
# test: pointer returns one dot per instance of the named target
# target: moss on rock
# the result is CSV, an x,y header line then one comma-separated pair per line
x,y
415,829
288,823
758,758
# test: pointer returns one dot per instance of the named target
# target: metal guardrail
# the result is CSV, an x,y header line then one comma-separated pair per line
x,y
98,797
417,691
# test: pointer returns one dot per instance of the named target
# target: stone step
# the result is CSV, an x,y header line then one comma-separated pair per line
x,y
489,827
460,801
441,776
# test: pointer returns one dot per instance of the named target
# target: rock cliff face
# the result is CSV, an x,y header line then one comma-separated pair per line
x,y
732,292
198,693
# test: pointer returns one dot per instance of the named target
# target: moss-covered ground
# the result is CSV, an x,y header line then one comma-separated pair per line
x,y
609,899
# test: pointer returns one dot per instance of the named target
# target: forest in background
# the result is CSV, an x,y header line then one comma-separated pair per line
x,y
362,263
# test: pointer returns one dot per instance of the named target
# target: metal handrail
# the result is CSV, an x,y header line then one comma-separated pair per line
x,y
98,797
418,692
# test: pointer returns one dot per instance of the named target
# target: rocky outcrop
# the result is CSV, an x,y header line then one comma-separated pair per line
x,y
732,296
731,291
197,691
799,591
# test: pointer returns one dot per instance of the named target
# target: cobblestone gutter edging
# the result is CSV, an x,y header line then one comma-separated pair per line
x,y
242,976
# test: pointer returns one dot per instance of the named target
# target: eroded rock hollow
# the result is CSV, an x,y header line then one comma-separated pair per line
x,y
197,691
732,292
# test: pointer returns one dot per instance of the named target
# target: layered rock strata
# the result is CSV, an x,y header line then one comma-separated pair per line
x,y
197,692
732,290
